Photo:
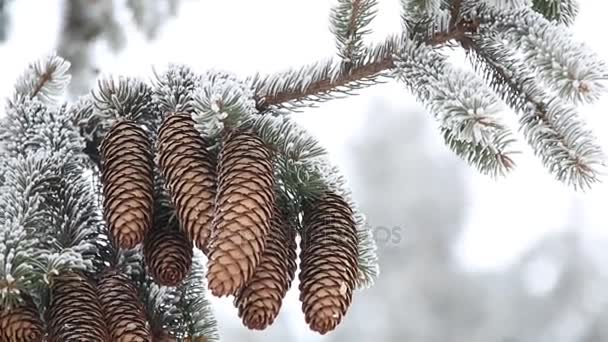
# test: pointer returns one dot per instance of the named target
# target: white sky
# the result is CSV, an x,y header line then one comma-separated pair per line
x,y
505,216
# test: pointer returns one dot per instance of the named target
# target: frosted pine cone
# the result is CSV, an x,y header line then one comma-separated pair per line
x,y
260,300
21,323
242,213
123,311
168,255
75,312
189,172
328,262
128,183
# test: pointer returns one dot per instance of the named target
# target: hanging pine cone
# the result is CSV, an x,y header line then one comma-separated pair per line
x,y
243,212
328,262
123,311
260,300
168,255
75,313
21,323
189,172
128,183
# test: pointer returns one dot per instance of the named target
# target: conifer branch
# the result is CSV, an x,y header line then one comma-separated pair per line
x,y
467,110
45,79
325,80
349,20
570,68
552,128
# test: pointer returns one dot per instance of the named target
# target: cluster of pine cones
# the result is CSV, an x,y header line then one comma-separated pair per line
x,y
226,205
83,310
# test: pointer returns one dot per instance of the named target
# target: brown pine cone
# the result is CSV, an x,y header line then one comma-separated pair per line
x,y
21,323
189,172
328,262
168,255
243,212
123,311
75,312
128,183
260,300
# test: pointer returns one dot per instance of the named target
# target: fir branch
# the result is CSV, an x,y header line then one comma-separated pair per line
x,y
566,147
570,68
222,101
465,108
325,80
322,81
123,98
161,307
489,159
22,224
349,21
174,89
560,11
198,318
45,79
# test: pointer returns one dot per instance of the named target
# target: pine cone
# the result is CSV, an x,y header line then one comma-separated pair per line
x,y
75,313
123,311
21,323
260,300
243,212
168,255
189,172
328,262
128,183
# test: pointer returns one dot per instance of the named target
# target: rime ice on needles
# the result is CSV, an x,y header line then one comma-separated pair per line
x,y
569,67
222,101
45,79
464,106
174,89
552,128
349,20
197,315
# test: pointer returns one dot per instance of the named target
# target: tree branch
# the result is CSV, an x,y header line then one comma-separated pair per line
x,y
356,73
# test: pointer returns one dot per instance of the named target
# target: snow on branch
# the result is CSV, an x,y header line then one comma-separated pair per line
x,y
552,128
569,67
198,318
221,101
174,89
349,22
322,81
45,79
466,109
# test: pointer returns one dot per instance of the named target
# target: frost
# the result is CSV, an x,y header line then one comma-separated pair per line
x,y
221,101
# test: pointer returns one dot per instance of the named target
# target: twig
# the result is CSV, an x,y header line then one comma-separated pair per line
x,y
357,73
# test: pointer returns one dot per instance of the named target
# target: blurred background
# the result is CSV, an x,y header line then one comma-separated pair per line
x,y
463,257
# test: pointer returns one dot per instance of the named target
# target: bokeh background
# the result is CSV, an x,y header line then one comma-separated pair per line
x,y
463,257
